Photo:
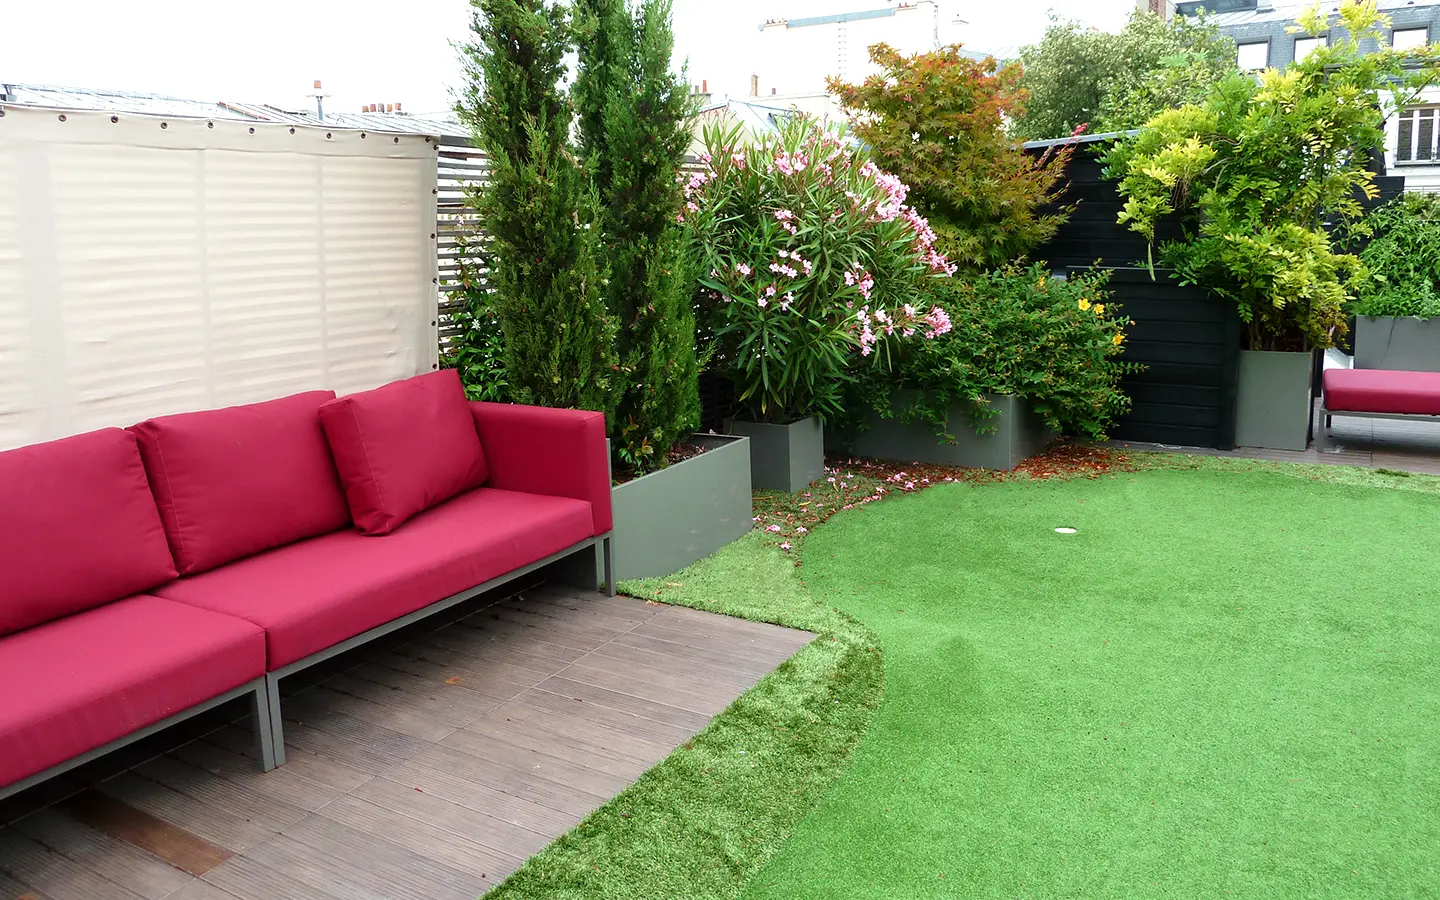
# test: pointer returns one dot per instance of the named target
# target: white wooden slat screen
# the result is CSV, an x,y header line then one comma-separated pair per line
x,y
151,266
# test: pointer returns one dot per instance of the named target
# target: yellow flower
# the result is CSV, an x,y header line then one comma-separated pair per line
x,y
1099,309
1084,304
1118,339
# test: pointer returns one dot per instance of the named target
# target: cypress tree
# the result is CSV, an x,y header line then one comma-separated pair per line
x,y
537,207
634,116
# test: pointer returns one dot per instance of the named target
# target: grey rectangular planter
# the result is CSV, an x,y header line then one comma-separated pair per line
x,y
668,519
1019,434
1274,406
1402,343
783,457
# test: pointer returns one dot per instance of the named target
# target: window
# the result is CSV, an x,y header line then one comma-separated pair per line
x,y
1410,38
1254,56
1417,132
1307,45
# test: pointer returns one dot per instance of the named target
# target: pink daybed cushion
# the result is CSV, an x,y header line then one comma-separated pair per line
x,y
1382,391
403,448
237,481
78,528
99,675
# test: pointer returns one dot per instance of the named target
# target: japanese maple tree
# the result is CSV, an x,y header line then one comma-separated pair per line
x,y
937,121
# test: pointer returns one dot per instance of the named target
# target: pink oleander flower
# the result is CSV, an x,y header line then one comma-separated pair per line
x,y
769,290
743,270
774,529
784,545
802,530
761,302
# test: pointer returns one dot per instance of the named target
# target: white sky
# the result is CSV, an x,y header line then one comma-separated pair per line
x,y
272,50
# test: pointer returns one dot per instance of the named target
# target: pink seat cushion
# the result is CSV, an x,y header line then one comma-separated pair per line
x,y
78,528
403,448
1380,391
312,595
99,675
232,482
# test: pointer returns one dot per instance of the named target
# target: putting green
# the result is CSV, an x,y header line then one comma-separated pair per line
x,y
1224,684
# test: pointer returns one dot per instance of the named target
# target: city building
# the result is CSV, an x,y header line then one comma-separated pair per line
x,y
1263,40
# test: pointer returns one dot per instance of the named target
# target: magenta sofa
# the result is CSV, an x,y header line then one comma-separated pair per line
x,y
151,573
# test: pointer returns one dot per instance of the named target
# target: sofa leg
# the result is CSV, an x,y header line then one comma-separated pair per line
x,y
277,727
607,549
262,720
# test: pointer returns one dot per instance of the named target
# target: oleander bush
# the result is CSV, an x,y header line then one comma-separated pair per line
x,y
812,266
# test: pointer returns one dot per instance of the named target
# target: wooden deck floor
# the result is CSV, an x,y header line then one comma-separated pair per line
x,y
429,771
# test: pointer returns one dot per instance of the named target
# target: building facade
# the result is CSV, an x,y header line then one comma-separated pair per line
x,y
1260,29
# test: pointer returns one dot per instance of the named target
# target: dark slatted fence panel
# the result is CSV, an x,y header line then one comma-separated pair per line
x,y
1189,343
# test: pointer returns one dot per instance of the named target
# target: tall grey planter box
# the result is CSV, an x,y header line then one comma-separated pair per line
x,y
1019,434
1397,342
1274,406
783,457
668,519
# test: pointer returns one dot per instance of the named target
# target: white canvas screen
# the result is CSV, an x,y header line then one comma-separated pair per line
x,y
152,266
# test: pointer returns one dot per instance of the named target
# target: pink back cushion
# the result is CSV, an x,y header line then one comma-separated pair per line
x,y
238,481
403,448
78,528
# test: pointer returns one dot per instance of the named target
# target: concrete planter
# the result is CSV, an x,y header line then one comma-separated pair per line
x,y
783,457
1019,434
1404,343
1274,406
668,519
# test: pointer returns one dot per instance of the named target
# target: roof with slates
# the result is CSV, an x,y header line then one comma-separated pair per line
x,y
53,97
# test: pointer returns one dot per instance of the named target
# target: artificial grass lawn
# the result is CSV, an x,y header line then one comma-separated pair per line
x,y
1225,684
704,820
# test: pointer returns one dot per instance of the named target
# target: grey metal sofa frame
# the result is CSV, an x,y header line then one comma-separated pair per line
x,y
604,543
264,692
261,713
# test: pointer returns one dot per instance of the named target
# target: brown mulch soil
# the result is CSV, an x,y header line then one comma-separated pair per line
x,y
849,483
678,453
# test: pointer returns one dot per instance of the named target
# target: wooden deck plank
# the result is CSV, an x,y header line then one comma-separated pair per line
x,y
448,699
215,824
622,700
494,680
625,659
221,793
325,701
514,780
455,787
693,696
11,889
525,764
383,863
122,862
573,745
462,821
249,879
317,767
201,890
286,784
422,838
720,658
427,768
41,869
595,738
587,713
